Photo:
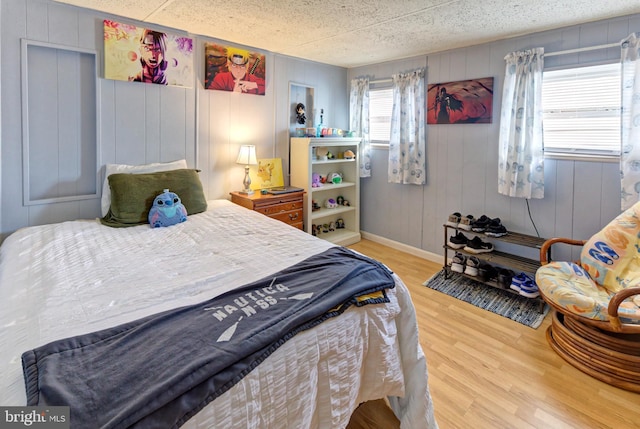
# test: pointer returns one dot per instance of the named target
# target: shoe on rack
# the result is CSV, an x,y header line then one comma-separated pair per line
x,y
478,246
454,219
466,222
487,272
529,290
505,276
480,224
458,263
457,241
495,228
520,280
526,286
471,267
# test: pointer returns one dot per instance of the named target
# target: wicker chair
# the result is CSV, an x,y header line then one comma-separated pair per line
x,y
596,301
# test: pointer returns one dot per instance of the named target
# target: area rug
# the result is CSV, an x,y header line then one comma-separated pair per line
x,y
515,307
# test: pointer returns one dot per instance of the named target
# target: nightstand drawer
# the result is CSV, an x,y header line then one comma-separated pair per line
x,y
287,208
289,217
280,208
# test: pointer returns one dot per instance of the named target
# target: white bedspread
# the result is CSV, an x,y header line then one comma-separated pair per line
x,y
111,276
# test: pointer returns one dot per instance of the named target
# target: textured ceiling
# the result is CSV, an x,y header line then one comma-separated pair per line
x,y
351,33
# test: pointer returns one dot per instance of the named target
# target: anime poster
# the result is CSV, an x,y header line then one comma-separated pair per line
x,y
233,69
462,102
143,55
267,174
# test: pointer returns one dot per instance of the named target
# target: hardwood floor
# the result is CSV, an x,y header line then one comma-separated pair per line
x,y
486,371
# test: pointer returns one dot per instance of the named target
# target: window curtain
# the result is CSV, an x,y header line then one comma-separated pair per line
x,y
521,157
407,142
359,122
630,126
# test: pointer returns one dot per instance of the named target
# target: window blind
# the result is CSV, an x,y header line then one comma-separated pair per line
x,y
581,110
380,105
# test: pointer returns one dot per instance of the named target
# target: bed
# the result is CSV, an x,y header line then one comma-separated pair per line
x,y
79,277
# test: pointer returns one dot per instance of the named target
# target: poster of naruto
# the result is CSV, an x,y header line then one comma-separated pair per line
x,y
142,55
461,102
233,69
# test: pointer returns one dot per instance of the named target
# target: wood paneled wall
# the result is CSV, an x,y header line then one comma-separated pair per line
x,y
462,160
142,123
149,123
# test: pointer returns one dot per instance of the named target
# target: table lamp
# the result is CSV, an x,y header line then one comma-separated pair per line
x,y
247,156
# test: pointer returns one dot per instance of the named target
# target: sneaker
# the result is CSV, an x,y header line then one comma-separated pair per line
x,y
487,272
466,222
530,290
471,268
480,224
495,228
457,241
454,219
458,262
478,246
505,276
519,280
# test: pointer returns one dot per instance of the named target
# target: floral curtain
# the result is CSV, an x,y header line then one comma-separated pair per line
x,y
407,142
521,158
630,153
359,122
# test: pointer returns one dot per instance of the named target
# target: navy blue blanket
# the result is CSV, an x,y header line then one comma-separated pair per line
x,y
161,370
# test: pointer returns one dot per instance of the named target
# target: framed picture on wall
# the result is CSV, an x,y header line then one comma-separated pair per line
x,y
461,102
228,68
139,54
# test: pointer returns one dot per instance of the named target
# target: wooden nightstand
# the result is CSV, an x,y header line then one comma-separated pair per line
x,y
286,208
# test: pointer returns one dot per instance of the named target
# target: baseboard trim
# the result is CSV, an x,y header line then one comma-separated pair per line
x,y
433,257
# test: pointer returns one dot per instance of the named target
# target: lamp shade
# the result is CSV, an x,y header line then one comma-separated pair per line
x,y
247,155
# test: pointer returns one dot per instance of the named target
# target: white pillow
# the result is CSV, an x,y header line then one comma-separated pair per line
x,y
134,169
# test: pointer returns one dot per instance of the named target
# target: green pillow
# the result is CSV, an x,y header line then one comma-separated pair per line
x,y
132,195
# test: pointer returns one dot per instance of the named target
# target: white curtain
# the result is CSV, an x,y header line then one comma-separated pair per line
x,y
407,142
359,122
521,158
630,153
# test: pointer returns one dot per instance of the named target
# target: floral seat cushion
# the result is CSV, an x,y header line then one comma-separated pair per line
x,y
611,256
569,287
609,263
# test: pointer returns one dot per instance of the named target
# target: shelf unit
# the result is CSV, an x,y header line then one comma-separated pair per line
x,y
497,258
304,163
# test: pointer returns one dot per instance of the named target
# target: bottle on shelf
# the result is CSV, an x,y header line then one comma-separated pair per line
x,y
320,125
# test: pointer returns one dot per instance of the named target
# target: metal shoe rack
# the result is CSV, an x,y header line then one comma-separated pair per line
x,y
497,258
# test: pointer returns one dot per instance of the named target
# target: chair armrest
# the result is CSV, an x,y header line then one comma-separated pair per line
x,y
614,305
545,250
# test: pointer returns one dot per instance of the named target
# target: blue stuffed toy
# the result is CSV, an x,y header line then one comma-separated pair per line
x,y
167,210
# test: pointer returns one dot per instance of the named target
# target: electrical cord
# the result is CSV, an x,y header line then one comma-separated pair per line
x,y
530,217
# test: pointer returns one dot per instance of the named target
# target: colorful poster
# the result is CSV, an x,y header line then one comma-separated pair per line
x,y
267,174
143,55
462,102
233,69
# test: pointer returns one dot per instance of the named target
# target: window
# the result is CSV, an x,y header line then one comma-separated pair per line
x,y
581,110
380,104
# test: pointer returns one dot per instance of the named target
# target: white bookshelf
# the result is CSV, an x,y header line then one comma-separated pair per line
x,y
304,164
